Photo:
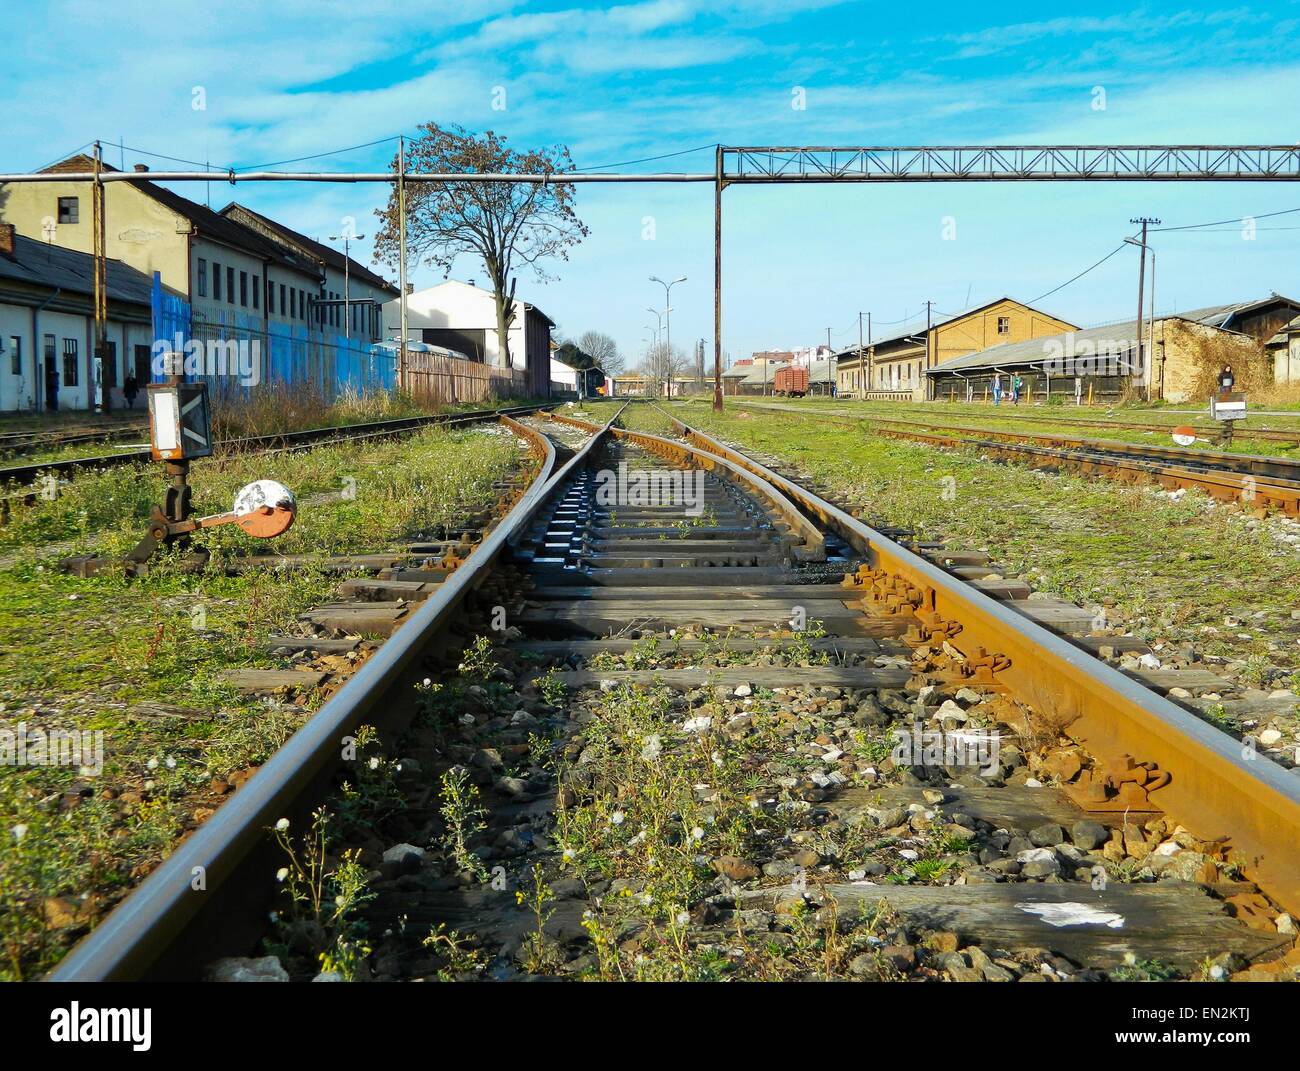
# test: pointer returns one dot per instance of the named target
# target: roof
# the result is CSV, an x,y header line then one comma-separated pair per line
x,y
1224,315
41,264
210,224
324,253
1114,340
918,331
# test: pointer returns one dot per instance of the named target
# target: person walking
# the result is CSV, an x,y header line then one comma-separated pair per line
x,y
997,390
1016,385
130,388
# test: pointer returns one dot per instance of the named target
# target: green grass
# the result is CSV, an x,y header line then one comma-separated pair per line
x,y
140,659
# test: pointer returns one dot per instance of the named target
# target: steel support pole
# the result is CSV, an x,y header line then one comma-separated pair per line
x,y
717,282
401,256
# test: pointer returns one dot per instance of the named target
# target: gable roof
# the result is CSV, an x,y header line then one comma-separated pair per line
x,y
71,271
208,224
311,248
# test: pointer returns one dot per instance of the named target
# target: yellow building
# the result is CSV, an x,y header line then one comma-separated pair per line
x,y
894,367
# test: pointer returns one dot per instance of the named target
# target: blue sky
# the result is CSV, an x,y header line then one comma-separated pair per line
x,y
640,79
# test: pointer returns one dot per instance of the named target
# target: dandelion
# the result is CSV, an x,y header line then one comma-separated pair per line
x,y
19,831
697,833
426,683
683,919
282,825
282,873
569,855
171,763
617,818
374,762
152,764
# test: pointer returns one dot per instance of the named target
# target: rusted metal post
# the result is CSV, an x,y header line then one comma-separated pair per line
x,y
100,352
717,281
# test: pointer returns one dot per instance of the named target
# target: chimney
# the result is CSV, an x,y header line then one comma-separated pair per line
x,y
141,168
7,239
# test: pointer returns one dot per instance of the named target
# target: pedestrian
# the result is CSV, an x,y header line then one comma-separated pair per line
x,y
1016,384
130,388
997,390
1226,379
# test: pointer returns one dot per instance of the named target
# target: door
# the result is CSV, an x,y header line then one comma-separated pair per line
x,y
51,375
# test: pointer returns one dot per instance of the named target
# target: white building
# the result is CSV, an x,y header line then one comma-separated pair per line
x,y
462,317
47,326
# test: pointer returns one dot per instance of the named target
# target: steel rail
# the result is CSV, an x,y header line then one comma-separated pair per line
x,y
1215,789
814,542
1128,462
25,475
1224,486
137,933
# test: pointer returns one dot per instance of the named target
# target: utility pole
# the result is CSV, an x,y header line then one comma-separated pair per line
x,y
828,360
1142,265
347,261
401,255
101,283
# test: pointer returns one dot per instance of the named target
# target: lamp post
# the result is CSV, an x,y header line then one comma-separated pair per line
x,y
346,239
668,334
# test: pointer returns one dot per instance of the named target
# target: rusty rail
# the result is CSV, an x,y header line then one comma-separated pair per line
x,y
1216,787
142,936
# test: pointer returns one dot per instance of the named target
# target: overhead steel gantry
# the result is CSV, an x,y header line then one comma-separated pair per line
x,y
768,164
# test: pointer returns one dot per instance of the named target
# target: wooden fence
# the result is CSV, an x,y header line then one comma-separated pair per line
x,y
434,379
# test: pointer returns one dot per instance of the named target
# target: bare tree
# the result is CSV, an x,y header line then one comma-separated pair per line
x,y
603,350
506,225
662,365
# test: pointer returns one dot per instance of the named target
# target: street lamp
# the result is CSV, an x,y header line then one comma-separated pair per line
x,y
668,335
347,240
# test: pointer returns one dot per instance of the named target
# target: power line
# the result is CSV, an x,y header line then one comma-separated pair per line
x,y
649,159
320,155
1081,274
1221,222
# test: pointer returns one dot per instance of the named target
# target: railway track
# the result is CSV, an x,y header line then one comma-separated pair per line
x,y
26,475
1266,482
18,443
684,753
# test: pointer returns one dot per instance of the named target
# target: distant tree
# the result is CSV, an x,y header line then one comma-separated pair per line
x,y
571,354
506,225
603,350
662,364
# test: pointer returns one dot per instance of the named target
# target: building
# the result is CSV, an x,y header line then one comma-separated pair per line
x,y
630,385
895,366
350,297
47,326
1284,353
242,276
462,317
1179,362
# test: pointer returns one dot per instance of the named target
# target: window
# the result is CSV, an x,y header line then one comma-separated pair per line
x,y
201,281
243,288
216,280
69,210
270,296
69,362
230,285
15,355
283,306
257,286
50,352
1004,325
293,299
302,303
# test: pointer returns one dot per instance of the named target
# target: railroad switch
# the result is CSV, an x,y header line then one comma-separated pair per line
x,y
1119,784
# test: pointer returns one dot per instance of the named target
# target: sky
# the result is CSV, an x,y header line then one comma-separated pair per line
x,y
650,78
